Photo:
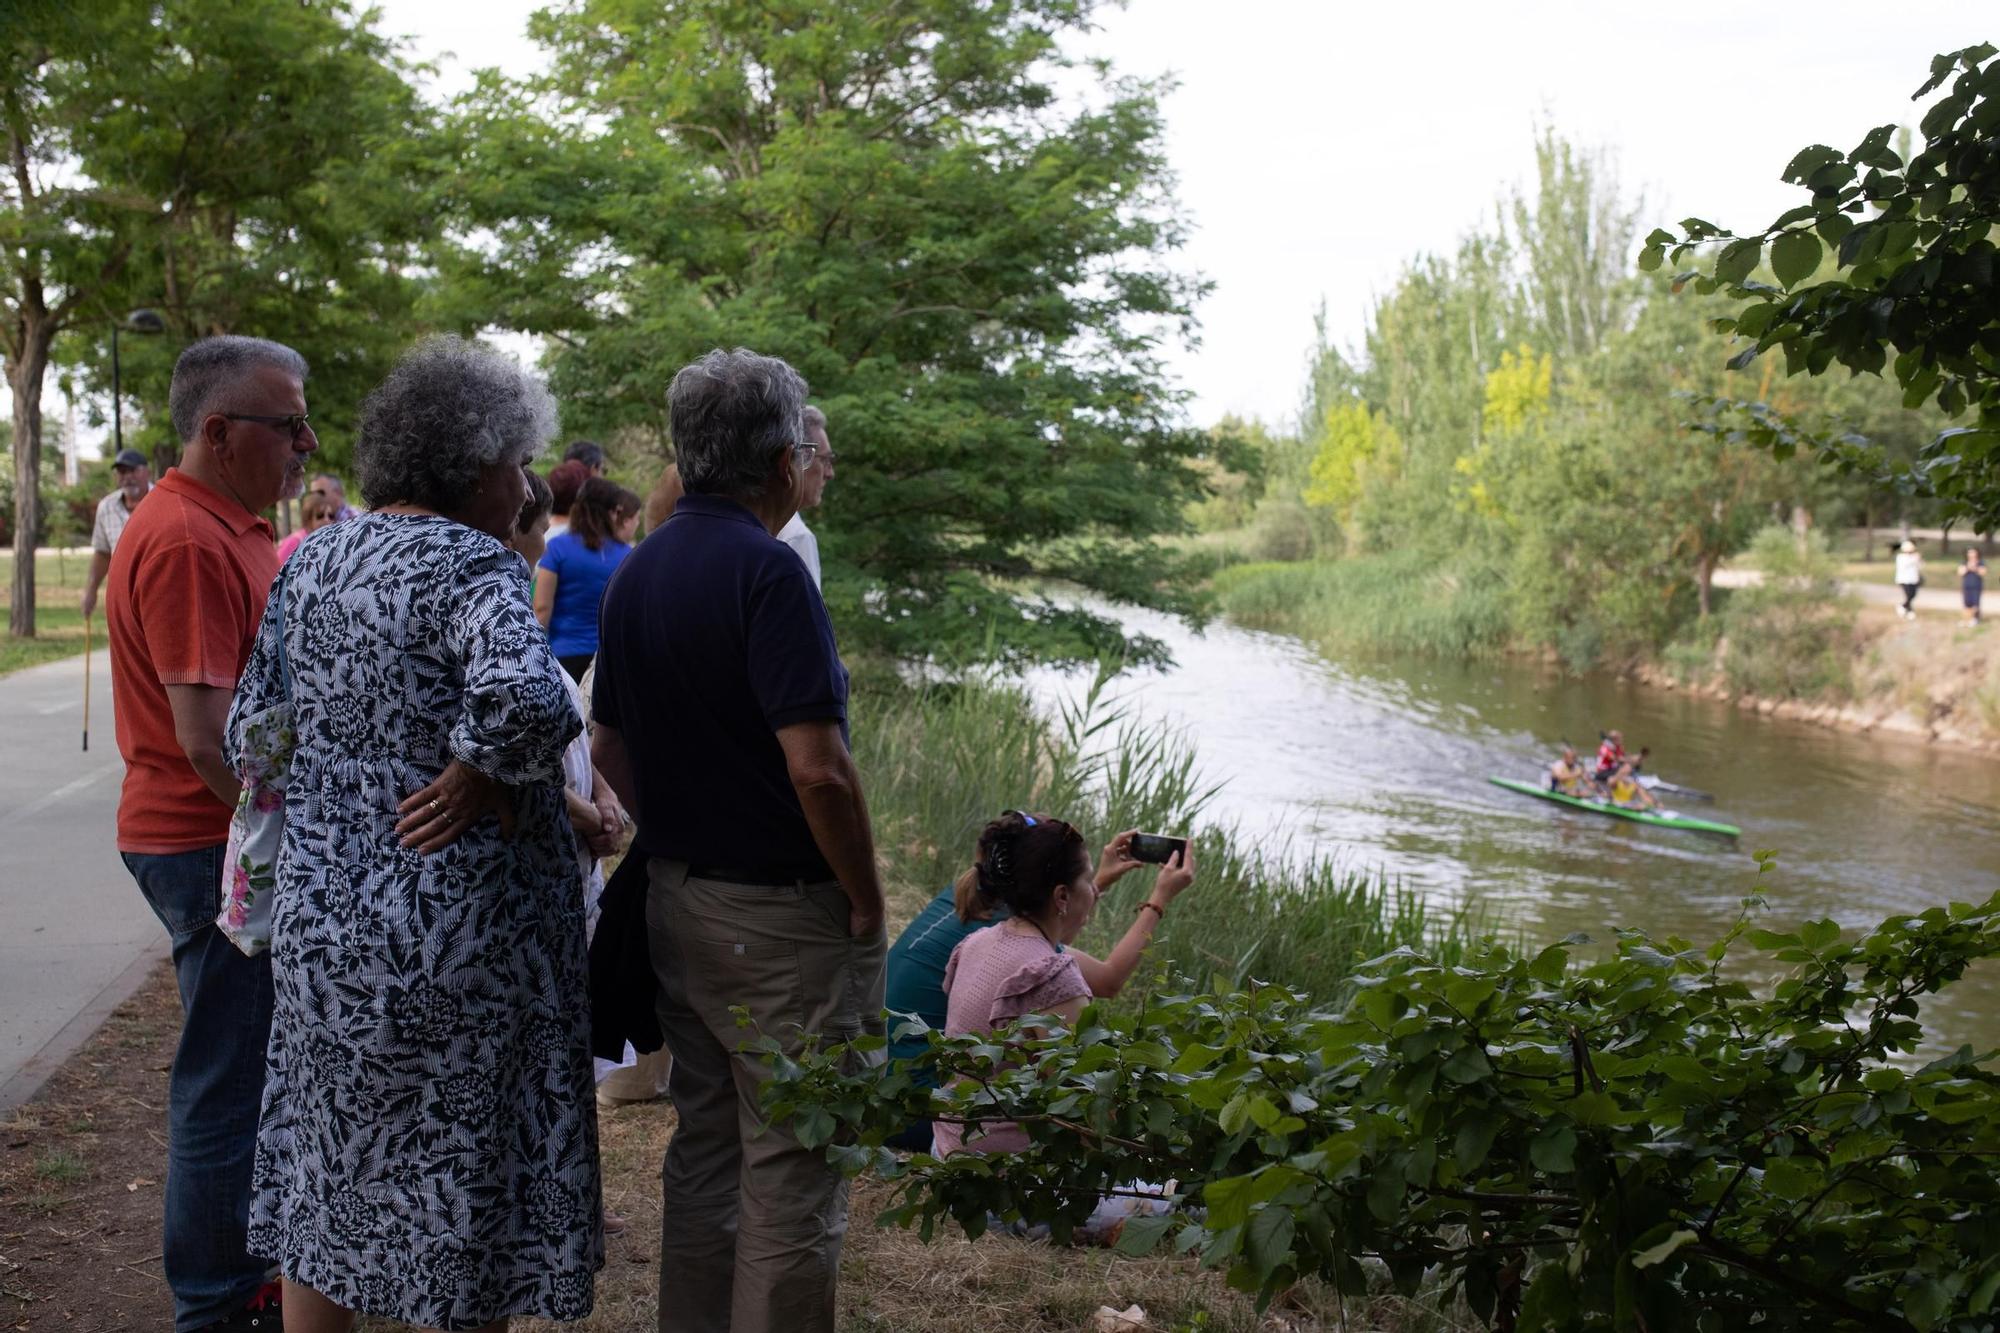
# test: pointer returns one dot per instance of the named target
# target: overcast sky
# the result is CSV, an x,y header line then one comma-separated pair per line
x,y
1321,145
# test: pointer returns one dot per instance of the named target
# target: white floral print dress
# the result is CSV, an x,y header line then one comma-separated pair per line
x,y
428,1145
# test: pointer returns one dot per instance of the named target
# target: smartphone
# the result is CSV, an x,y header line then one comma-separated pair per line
x,y
1156,849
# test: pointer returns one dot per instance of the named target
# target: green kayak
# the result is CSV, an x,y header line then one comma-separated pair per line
x,y
1663,818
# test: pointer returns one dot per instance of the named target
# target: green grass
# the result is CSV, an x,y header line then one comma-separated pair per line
x,y
1403,602
59,1168
58,619
940,761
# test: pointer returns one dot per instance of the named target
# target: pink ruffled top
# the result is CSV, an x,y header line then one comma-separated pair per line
x,y
993,978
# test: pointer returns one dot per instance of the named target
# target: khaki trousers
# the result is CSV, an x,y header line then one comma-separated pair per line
x,y
751,1223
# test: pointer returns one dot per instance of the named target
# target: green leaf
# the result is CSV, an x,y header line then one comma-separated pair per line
x,y
1795,257
1793,1178
1817,935
1554,1149
1268,1243
1140,1236
1738,259
1473,1141
1659,1254
1228,1201
1925,1304
1468,1064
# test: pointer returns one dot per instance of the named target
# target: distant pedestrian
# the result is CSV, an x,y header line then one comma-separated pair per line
x,y
819,471
660,501
135,479
1972,583
589,453
575,566
187,588
721,722
315,512
334,490
565,480
428,1149
1909,577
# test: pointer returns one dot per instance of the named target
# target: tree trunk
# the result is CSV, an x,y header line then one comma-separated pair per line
x,y
24,377
1704,580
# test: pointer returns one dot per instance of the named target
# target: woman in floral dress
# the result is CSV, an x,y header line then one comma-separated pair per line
x,y
428,1145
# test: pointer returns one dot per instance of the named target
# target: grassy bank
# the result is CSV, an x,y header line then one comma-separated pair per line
x,y
941,761
1406,602
58,620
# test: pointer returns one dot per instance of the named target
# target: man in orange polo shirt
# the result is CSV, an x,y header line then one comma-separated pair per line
x,y
187,588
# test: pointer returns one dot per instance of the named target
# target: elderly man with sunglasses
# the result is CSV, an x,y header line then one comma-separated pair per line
x,y
186,590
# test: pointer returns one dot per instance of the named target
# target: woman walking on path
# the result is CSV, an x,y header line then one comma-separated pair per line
x,y
1909,577
1972,582
428,1145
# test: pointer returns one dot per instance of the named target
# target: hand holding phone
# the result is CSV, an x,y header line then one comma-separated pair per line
x,y
1155,849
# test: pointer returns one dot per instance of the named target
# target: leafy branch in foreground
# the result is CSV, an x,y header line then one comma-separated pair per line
x,y
1639,1142
1911,238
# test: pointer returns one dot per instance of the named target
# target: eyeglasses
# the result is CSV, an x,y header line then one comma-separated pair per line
x,y
296,422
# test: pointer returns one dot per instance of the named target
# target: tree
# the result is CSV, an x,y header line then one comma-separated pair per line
x,y
967,267
1573,245
1913,288
68,240
254,166
1351,439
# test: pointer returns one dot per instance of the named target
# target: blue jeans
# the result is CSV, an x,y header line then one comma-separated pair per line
x,y
214,1093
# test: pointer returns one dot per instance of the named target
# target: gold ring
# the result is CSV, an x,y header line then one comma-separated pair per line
x,y
434,805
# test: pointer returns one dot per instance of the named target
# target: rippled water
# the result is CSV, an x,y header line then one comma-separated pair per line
x,y
1385,763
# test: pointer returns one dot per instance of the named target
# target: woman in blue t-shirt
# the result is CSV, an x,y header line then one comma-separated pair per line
x,y
569,581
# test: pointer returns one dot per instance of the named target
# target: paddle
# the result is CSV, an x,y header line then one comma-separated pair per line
x,y
1652,783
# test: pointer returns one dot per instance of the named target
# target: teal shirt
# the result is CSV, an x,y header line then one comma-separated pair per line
x,y
917,959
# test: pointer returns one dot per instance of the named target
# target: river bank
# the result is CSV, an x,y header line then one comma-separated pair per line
x,y
1814,656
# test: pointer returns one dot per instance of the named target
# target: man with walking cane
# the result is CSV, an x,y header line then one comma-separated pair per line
x,y
186,591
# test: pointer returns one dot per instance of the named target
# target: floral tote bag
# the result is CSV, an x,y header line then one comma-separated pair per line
x,y
250,860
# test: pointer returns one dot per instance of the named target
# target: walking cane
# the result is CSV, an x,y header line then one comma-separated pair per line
x,y
86,683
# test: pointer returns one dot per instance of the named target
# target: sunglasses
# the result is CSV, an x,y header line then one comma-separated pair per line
x,y
295,423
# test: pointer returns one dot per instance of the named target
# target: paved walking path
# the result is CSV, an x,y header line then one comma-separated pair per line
x,y
1939,593
75,936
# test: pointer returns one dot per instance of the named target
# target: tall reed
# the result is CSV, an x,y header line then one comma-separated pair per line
x,y
1417,602
940,760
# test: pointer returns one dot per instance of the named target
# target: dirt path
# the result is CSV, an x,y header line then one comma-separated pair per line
x,y
81,1168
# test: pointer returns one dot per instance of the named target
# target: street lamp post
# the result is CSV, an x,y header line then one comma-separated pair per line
x,y
139,321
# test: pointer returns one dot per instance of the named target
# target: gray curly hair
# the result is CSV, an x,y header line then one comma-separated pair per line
x,y
730,413
449,408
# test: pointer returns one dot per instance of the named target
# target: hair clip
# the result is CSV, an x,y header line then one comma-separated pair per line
x,y
1026,818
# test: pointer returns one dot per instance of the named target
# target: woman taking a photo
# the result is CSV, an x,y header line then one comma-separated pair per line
x,y
1034,874
570,577
428,1145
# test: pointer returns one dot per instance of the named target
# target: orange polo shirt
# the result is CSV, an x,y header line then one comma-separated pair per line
x,y
186,590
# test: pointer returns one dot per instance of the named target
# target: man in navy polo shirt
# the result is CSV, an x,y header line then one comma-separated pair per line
x,y
721,721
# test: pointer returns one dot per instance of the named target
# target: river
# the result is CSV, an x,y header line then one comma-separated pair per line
x,y
1384,763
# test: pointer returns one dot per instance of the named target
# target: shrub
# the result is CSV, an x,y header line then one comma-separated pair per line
x,y
1791,636
1641,1142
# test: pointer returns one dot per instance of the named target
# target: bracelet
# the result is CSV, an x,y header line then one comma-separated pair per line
x,y
1159,911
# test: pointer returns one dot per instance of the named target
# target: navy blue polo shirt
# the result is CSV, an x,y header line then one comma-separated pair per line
x,y
712,638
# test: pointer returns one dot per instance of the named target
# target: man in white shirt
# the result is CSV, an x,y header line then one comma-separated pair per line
x,y
818,472
135,478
